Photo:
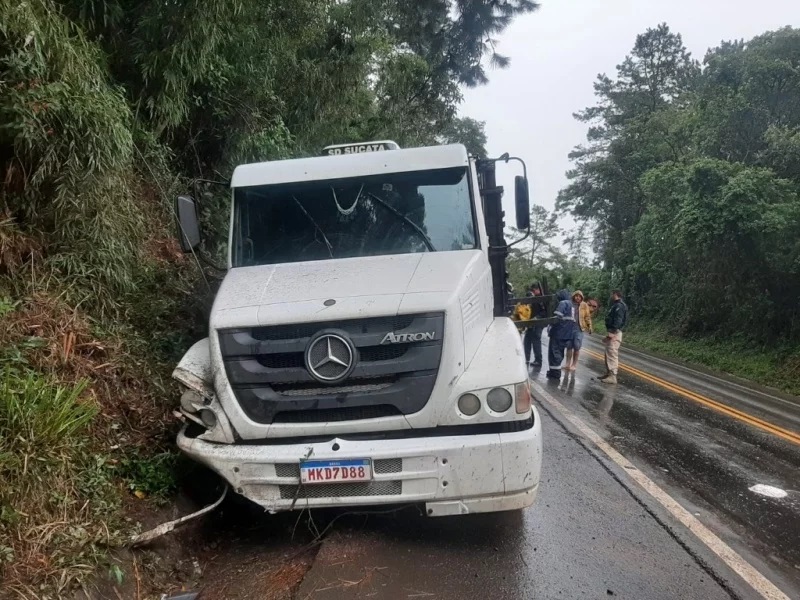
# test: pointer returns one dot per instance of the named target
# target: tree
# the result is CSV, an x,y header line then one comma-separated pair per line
x,y
631,130
578,243
538,247
751,99
469,132
456,36
692,179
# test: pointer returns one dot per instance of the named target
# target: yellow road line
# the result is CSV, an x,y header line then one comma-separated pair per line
x,y
782,433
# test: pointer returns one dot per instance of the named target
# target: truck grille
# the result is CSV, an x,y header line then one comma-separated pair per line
x,y
289,360
388,465
339,490
266,369
290,390
329,415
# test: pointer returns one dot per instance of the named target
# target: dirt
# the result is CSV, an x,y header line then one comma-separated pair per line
x,y
251,555
237,552
256,573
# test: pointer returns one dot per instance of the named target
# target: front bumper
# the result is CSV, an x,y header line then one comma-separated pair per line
x,y
450,474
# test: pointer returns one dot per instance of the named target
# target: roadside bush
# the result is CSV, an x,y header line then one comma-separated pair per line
x,y
772,365
43,418
151,475
90,282
69,130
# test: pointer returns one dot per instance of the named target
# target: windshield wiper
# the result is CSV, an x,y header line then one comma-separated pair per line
x,y
317,227
397,213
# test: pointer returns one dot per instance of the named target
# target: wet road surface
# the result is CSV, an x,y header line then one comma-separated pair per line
x,y
586,537
593,532
706,459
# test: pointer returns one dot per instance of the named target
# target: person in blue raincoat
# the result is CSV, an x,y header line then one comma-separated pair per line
x,y
561,334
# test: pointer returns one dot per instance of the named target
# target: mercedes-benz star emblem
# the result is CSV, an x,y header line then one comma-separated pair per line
x,y
330,357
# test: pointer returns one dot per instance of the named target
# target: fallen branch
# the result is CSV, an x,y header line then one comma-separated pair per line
x,y
164,528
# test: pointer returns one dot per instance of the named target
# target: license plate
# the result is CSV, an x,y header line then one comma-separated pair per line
x,y
335,471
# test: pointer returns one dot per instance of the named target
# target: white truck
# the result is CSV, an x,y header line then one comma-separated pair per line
x,y
359,348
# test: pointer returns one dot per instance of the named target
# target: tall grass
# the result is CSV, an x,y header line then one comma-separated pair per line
x,y
56,497
776,366
40,417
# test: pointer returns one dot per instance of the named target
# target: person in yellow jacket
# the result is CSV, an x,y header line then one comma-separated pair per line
x,y
532,342
583,318
522,312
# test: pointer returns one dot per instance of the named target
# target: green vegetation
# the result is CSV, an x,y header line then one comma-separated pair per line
x,y
152,475
688,193
108,108
50,474
776,367
691,180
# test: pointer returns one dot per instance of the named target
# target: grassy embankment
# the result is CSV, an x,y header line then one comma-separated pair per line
x,y
86,432
775,366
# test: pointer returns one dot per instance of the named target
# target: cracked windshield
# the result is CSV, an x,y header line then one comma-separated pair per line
x,y
427,211
399,300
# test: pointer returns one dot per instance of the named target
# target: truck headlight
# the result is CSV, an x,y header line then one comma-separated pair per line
x,y
191,401
194,408
499,400
469,404
208,417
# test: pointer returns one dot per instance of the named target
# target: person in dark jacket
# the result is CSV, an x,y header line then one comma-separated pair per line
x,y
616,319
533,335
561,334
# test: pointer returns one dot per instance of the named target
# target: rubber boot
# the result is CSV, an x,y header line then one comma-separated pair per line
x,y
554,374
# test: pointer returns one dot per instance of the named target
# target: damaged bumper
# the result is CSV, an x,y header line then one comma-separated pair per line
x,y
455,474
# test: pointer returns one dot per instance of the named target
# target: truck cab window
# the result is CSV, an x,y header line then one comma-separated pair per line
x,y
420,211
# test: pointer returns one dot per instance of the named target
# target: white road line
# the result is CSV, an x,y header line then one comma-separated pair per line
x,y
730,557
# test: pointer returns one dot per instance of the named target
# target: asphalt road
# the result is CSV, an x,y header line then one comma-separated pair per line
x,y
646,494
707,441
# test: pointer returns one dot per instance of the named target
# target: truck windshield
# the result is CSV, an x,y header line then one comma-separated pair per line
x,y
421,211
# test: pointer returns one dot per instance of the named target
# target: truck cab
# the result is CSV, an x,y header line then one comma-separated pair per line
x,y
359,348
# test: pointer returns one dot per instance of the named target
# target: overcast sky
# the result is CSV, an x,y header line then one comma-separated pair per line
x,y
556,54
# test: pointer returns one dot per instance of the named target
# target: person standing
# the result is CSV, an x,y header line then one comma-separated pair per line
x,y
583,324
533,337
616,319
561,333
522,312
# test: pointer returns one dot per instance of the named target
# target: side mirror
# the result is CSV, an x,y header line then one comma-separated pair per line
x,y
188,223
522,202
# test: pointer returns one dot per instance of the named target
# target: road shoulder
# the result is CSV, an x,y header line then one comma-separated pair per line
x,y
722,563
